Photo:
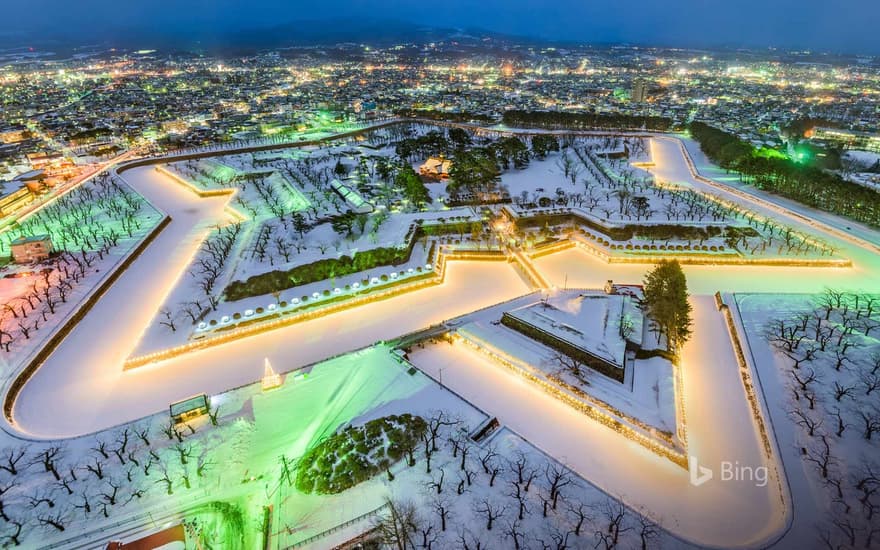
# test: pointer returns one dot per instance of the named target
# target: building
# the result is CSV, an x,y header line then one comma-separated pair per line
x,y
44,160
436,168
639,90
27,250
847,139
14,195
13,134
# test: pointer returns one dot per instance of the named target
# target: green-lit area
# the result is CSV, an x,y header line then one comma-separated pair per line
x,y
261,432
358,453
802,156
769,153
294,200
219,171
218,525
74,222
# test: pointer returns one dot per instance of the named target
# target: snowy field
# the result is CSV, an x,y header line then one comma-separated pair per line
x,y
718,429
821,379
138,474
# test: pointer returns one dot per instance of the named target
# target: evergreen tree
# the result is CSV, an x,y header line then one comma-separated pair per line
x,y
411,186
666,302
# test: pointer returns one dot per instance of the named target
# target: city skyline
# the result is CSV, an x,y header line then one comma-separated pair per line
x,y
375,280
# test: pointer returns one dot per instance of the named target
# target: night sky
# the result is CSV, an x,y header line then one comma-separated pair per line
x,y
834,25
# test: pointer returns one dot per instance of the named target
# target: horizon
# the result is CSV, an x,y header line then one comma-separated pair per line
x,y
789,26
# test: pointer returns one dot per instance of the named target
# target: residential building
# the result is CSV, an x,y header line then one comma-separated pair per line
x,y
27,250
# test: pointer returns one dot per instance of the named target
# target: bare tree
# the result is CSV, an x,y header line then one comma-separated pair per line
x,y
441,507
49,457
820,456
11,457
522,502
557,477
870,422
613,514
579,513
12,534
55,520
649,531
515,534
436,484
806,421
5,488
397,526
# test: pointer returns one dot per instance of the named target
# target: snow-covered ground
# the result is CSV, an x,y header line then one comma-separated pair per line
x,y
831,397
82,386
589,320
647,394
719,428
117,396
90,243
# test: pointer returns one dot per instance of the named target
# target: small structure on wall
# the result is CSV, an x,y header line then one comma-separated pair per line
x,y
189,409
271,379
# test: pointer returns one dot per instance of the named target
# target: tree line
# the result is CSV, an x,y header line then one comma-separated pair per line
x,y
801,182
584,121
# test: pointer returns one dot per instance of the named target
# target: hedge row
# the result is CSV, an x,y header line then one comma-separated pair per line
x,y
276,281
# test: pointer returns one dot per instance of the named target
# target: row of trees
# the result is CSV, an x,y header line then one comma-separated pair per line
x,y
47,489
832,362
584,121
474,495
86,218
801,182
85,225
489,495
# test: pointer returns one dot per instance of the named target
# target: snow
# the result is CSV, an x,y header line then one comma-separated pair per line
x,y
813,501
113,396
82,388
647,395
712,514
590,320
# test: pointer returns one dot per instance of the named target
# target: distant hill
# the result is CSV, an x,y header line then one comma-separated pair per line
x,y
302,33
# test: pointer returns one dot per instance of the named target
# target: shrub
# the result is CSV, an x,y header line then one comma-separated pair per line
x,y
273,281
357,453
